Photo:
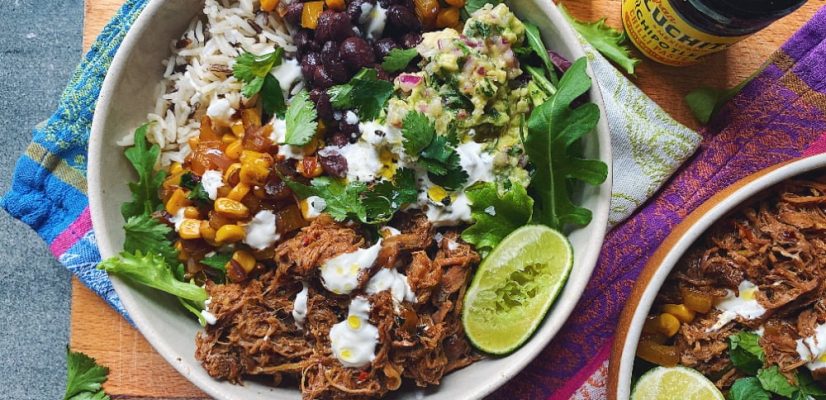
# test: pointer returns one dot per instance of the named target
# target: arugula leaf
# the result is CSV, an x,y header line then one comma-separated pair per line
x,y
495,216
748,389
745,352
772,380
608,41
553,128
301,120
705,102
417,132
252,70
343,201
365,93
272,98
144,233
534,39
398,59
385,198
471,6
143,158
151,270
84,377
541,81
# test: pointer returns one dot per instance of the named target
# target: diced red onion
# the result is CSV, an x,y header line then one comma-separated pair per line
x,y
407,81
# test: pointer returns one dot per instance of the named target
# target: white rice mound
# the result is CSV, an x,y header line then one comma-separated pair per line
x,y
213,41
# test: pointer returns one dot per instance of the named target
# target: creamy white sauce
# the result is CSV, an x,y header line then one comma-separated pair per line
x,y
377,20
354,340
279,132
212,181
476,162
363,162
490,210
220,111
813,349
314,207
457,212
351,118
396,283
261,232
340,274
366,7
178,218
379,134
300,307
287,73
744,305
209,317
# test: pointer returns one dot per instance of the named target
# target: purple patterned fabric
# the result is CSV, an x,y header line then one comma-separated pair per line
x,y
774,119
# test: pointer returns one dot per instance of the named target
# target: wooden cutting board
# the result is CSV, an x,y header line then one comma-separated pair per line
x,y
138,372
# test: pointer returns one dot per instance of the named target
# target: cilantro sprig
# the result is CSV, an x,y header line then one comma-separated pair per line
x,y
365,93
435,152
84,377
254,71
553,128
385,198
398,59
301,118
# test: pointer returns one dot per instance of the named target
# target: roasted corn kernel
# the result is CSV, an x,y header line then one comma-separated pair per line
x,y
231,174
183,255
268,5
191,212
231,208
230,234
234,149
668,324
176,168
680,311
177,201
207,231
237,129
190,229
228,138
239,191
255,166
244,258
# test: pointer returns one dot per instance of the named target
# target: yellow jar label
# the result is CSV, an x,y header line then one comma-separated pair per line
x,y
663,36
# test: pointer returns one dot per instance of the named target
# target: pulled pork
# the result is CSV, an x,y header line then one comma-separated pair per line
x,y
255,334
778,243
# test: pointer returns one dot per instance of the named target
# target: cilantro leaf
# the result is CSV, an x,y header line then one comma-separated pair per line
x,y
745,352
553,128
301,120
534,39
199,194
365,93
146,234
772,380
342,200
188,181
272,98
471,6
807,388
398,59
417,131
748,389
151,270
218,262
84,377
143,158
385,198
495,216
608,41
252,70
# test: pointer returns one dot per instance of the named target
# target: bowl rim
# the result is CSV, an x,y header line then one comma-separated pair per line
x,y
212,387
671,250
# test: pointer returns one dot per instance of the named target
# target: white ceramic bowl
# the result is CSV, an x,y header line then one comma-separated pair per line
x,y
128,94
671,251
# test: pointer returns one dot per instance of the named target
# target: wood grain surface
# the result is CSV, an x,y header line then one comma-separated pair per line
x,y
138,372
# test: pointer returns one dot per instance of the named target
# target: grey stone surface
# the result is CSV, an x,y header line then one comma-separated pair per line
x,y
40,45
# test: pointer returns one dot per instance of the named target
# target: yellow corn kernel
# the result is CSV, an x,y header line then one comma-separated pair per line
x,y
239,191
244,258
668,324
177,201
234,149
233,169
175,168
389,167
192,212
228,138
255,166
174,179
231,208
230,234
190,229
182,253
237,129
268,5
207,231
193,142
436,193
680,311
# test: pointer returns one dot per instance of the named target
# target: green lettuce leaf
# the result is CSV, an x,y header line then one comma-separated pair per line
x,y
151,270
495,216
608,41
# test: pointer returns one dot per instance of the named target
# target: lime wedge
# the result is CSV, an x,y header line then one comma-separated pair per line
x,y
514,288
676,383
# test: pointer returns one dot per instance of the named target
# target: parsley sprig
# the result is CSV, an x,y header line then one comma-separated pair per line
x,y
436,153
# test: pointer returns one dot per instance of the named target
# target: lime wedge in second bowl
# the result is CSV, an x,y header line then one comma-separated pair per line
x,y
514,288
676,383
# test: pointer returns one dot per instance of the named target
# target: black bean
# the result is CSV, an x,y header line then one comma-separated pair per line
x,y
403,19
330,53
354,9
382,47
356,53
338,139
333,25
322,78
303,39
347,128
293,14
412,39
338,72
333,164
322,104
308,64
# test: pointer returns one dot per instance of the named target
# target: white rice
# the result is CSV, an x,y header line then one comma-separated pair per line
x,y
215,39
